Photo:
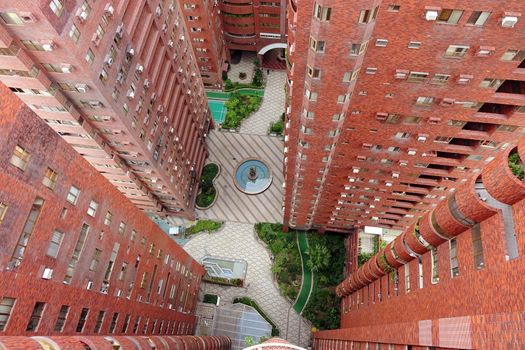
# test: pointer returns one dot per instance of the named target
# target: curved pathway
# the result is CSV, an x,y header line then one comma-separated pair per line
x,y
307,284
237,240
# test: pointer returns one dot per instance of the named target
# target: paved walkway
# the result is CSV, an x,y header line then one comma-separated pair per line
x,y
228,150
246,65
272,106
238,241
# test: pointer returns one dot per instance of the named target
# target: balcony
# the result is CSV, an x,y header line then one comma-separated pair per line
x,y
510,92
229,9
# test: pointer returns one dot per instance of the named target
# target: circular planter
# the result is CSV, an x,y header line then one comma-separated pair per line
x,y
390,256
429,233
500,182
412,241
216,189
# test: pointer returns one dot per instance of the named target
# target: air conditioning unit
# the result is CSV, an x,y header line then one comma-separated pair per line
x,y
509,21
120,78
447,102
82,88
158,11
109,10
146,84
120,31
388,184
27,17
82,15
47,274
153,97
171,43
160,109
431,15
130,94
67,68
48,46
422,138
171,8
412,152
381,116
95,39
108,60
140,68
130,52
401,74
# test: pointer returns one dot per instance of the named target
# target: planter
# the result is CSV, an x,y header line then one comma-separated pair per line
x,y
215,187
500,182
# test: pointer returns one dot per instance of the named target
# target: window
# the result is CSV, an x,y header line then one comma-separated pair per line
x,y
20,158
456,51
414,45
371,70
76,253
477,247
82,319
449,16
434,260
513,55
61,319
90,56
6,305
424,101
108,218
50,178
143,280
113,323
342,98
122,227
454,267
95,259
442,139
381,42
317,45
478,18
136,325
357,49
3,211
491,83
507,128
74,33
11,18
412,120
126,323
312,96
440,79
417,77
392,119
407,278
54,244
57,7
393,8
100,320
322,13
36,315
92,209
367,16
122,272
18,253
73,194
314,72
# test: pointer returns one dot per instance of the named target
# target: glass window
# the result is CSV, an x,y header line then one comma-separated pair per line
x,y
74,33
450,16
108,218
478,18
72,196
92,209
6,305
454,266
414,45
322,13
11,18
61,320
36,315
424,101
440,79
477,247
113,323
20,158
82,319
407,278
100,319
90,56
27,231
434,258
417,77
76,253
122,227
3,211
57,7
367,16
95,259
50,178
54,244
456,51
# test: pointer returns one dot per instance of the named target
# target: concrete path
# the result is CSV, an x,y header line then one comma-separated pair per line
x,y
228,150
271,108
238,241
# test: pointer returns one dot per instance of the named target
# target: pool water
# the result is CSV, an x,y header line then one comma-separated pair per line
x,y
262,181
218,110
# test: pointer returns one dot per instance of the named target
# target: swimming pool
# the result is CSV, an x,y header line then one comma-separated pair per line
x,y
218,110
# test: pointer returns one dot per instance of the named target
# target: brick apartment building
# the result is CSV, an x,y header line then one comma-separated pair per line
x,y
254,25
119,81
392,105
77,257
452,282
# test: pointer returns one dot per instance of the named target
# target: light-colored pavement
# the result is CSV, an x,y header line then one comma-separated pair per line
x,y
246,65
237,240
272,106
228,150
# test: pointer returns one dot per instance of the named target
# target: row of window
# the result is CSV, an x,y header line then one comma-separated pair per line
x,y
7,305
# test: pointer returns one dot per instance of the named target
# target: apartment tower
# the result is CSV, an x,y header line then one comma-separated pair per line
x,y
80,263
393,105
120,82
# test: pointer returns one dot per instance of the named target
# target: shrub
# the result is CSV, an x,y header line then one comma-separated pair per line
x,y
252,303
257,77
277,127
210,299
228,85
236,282
204,225
242,75
516,166
239,107
207,191
225,76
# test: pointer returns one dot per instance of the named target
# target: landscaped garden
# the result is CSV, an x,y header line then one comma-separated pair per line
x,y
326,255
207,191
238,108
278,126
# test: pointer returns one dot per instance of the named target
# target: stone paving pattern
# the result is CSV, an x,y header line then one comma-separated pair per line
x,y
229,149
272,106
246,65
259,284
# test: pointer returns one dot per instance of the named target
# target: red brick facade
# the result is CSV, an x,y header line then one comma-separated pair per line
x,y
116,343
364,144
120,82
453,282
77,257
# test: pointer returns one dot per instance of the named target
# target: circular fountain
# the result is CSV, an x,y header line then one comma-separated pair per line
x,y
252,176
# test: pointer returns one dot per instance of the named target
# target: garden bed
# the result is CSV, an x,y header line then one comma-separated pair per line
x,y
238,108
277,128
207,191
204,226
252,303
516,165
236,282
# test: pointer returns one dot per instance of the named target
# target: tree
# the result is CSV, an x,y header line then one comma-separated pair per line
x,y
319,257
